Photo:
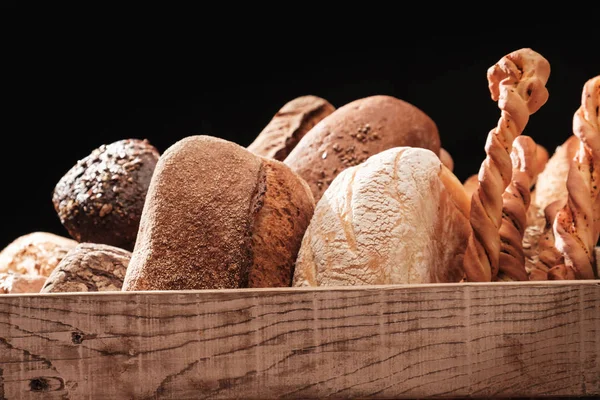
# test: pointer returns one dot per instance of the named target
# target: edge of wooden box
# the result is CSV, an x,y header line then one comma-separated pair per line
x,y
448,340
491,285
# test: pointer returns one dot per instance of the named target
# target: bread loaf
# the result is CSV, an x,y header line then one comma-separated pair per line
x,y
36,253
577,223
550,191
289,125
13,283
551,183
89,267
219,216
399,217
356,131
100,199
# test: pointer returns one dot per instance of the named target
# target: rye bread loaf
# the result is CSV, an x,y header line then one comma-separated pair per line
x,y
89,267
355,131
289,125
35,253
218,216
400,217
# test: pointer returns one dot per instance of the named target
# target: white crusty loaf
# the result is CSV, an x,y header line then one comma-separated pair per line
x,y
399,217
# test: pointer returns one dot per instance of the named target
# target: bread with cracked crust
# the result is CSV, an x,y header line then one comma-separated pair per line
x,y
218,216
289,125
400,217
356,131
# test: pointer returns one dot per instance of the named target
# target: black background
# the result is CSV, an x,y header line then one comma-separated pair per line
x,y
66,90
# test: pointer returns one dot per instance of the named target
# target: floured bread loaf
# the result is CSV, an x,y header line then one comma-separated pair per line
x,y
550,190
289,125
552,181
399,217
356,131
35,253
12,283
218,216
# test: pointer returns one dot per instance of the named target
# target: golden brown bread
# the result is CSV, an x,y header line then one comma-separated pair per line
x,y
551,184
470,185
289,125
36,253
446,159
219,216
89,267
356,131
577,223
517,82
549,194
541,158
399,217
515,203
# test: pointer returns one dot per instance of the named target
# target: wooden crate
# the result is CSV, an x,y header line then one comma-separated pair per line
x,y
485,340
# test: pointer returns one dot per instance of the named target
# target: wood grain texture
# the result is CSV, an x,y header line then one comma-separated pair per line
x,y
524,339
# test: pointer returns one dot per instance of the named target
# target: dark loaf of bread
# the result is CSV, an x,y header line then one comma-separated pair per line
x,y
100,199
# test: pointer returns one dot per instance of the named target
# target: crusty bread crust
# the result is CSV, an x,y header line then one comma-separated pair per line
x,y
89,267
551,183
279,225
400,217
356,131
35,253
12,283
289,125
203,216
195,226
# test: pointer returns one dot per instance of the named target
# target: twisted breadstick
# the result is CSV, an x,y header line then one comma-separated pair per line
x,y
517,82
516,199
547,256
577,224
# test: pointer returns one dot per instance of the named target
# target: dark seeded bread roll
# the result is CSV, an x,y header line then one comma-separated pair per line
x,y
100,199
219,216
35,253
89,267
289,125
356,131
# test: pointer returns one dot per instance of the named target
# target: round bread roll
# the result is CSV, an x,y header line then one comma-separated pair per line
x,y
356,131
13,283
35,254
218,216
89,267
289,125
100,199
401,217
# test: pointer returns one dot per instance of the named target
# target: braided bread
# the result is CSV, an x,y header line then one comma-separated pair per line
x,y
516,199
546,255
517,82
549,195
577,223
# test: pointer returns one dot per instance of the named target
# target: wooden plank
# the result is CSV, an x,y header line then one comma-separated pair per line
x,y
523,339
